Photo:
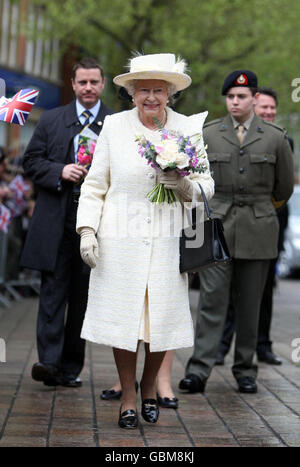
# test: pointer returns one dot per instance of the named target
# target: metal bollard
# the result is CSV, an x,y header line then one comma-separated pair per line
x,y
2,87
2,350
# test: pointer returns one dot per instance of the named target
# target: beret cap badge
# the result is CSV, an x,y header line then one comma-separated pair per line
x,y
242,79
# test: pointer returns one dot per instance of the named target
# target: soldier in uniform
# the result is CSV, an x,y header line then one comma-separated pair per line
x,y
252,167
266,108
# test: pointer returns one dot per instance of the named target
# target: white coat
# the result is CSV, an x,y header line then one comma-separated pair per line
x,y
136,247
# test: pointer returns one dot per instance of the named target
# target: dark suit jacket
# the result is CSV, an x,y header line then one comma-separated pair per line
x,y
47,153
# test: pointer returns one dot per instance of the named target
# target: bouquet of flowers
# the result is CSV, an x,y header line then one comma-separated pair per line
x,y
86,151
185,154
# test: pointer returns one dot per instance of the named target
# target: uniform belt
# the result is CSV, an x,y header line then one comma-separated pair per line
x,y
246,199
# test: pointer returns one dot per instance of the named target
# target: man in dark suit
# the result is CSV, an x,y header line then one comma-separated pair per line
x,y
52,244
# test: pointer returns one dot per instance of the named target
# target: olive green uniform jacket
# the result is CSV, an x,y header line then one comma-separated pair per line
x,y
249,178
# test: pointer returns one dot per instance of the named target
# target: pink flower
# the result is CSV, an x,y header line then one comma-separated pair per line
x,y
84,159
81,150
165,134
93,145
159,149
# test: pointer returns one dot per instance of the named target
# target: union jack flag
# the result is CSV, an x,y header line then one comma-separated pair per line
x,y
19,186
17,203
16,206
17,109
5,218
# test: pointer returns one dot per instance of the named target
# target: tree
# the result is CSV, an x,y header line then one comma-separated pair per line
x,y
215,37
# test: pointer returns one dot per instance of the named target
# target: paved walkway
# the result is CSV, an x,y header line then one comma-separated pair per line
x,y
34,415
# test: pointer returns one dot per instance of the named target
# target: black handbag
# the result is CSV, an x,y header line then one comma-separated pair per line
x,y
212,251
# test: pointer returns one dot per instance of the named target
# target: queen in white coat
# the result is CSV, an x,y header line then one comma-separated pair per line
x,y
136,291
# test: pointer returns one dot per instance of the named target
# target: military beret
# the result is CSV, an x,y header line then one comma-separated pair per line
x,y
239,78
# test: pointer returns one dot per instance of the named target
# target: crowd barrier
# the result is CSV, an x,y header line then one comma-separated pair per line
x,y
9,287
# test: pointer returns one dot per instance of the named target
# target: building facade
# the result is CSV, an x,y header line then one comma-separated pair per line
x,y
27,63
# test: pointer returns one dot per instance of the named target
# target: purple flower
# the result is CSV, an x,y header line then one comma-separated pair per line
x,y
190,151
194,161
183,172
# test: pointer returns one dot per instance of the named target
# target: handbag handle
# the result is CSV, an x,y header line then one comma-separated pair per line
x,y
207,210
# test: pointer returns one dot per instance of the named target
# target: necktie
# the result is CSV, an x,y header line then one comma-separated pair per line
x,y
87,115
240,133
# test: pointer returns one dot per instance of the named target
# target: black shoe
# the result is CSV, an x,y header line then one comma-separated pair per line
x,y
71,381
55,381
42,372
108,394
192,383
150,410
167,403
247,385
268,357
128,419
220,360
68,381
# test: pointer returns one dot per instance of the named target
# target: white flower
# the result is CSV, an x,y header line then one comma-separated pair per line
x,y
182,160
168,154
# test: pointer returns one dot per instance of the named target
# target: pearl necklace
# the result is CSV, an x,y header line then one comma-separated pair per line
x,y
162,123
164,119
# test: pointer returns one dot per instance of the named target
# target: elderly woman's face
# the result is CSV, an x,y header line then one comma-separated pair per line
x,y
150,97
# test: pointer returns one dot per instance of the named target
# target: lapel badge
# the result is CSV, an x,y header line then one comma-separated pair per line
x,y
223,127
242,80
99,123
260,130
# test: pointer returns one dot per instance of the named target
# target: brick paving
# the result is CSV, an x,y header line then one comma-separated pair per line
x,y
32,414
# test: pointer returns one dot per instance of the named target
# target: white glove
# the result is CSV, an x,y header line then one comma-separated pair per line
x,y
88,246
174,181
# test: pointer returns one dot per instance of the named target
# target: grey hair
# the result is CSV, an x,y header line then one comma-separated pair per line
x,y
130,87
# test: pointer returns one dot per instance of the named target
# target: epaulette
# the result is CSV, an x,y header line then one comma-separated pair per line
x,y
276,126
280,128
213,122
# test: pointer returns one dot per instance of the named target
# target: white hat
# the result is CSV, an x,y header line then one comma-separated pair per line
x,y
156,66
